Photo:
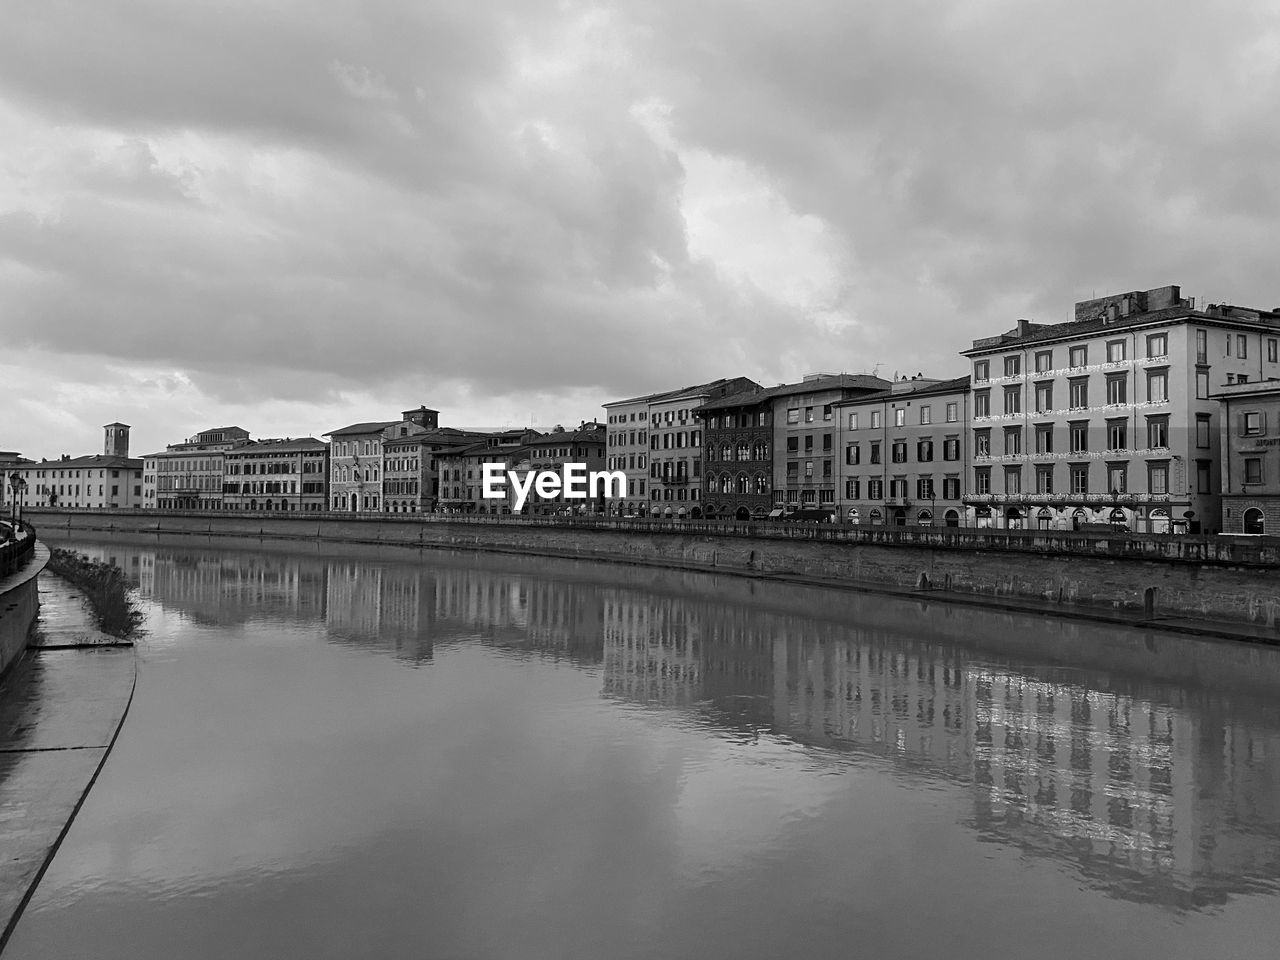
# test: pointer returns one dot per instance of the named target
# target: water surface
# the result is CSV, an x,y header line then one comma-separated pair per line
x,y
464,756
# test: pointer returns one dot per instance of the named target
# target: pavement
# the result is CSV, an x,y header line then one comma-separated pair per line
x,y
61,708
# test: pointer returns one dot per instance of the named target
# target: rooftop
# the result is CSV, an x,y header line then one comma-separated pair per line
x,y
921,387
838,381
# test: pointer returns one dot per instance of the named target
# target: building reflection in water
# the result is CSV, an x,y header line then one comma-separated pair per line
x,y
1145,763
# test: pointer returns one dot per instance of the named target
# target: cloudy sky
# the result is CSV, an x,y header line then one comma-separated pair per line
x,y
295,215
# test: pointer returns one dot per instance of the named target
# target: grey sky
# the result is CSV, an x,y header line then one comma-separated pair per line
x,y
293,216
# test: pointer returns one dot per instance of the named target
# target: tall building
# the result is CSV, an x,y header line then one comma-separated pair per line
x,y
462,472
355,466
737,479
806,437
660,428
189,475
1249,427
903,453
411,477
278,475
99,480
1109,418
550,452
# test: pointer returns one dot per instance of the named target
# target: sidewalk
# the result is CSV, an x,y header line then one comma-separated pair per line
x,y
61,708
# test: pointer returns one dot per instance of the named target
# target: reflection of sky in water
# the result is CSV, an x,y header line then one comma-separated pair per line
x,y
460,755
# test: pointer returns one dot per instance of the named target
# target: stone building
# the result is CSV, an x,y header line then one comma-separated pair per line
x,y
903,453
737,475
188,475
462,472
806,437
111,479
1109,418
551,451
1249,427
281,475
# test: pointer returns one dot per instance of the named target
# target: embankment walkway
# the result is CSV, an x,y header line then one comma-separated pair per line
x,y
61,708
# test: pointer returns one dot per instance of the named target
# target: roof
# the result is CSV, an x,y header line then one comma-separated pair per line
x,y
371,426
841,381
929,389
96,460
287,445
1026,332
673,394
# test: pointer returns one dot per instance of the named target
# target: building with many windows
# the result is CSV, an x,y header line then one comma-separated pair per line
x,y
108,479
903,453
462,472
737,479
1109,418
550,452
281,475
1249,427
188,475
355,466
806,437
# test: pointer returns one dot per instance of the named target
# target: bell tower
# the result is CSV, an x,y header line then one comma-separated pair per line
x,y
116,443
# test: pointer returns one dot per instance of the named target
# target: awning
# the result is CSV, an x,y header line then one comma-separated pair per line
x,y
775,514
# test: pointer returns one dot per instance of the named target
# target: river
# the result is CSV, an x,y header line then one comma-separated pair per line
x,y
455,755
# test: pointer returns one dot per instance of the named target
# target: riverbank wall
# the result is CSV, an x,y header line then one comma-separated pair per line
x,y
19,597
1235,580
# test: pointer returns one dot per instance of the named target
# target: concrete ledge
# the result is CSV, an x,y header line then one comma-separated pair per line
x,y
19,604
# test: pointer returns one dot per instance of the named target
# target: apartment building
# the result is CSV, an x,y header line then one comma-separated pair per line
x,y
1249,427
737,477
281,475
550,452
1110,417
462,472
101,480
806,437
188,475
903,453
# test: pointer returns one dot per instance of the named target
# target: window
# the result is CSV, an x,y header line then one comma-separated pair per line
x,y
1079,388
1202,429
1252,424
826,411
875,419
1202,384
1158,479
1012,366
1044,479
900,417
808,469
950,488
1079,356
982,443
1204,476
1117,434
1115,351
1252,469
981,370
982,480
982,403
1012,399
1202,346
1158,345
853,421
926,416
875,453
1044,438
924,488
1044,397
1117,478
853,454
875,489
953,412
1012,479
1242,346
1044,361
1157,432
900,451
1273,349
793,446
951,448
826,468
1117,388
1012,440
851,489
808,443
898,487
1157,386
1079,478
1228,347
924,451
808,414
793,415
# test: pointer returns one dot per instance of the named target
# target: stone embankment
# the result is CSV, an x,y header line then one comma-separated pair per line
x,y
1208,579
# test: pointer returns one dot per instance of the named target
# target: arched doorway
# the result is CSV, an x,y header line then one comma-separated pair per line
x,y
982,517
875,516
1078,518
1013,518
951,518
1117,518
1160,520
355,501
742,513
1254,522
898,517
695,513
854,518
924,518
1044,518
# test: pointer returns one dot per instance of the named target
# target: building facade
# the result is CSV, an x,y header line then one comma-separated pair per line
x,y
806,437
1249,428
282,475
737,479
550,452
462,472
111,479
355,467
1109,418
188,475
904,454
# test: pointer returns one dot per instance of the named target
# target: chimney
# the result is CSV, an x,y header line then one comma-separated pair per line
x,y
1024,327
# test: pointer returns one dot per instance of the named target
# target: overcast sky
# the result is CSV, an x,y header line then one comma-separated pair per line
x,y
295,215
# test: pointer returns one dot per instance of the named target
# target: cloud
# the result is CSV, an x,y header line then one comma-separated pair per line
x,y
565,200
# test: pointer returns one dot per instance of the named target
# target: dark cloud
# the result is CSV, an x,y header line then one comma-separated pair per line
x,y
351,197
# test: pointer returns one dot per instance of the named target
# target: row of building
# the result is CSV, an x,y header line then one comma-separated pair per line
x,y
1144,411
